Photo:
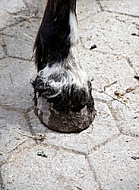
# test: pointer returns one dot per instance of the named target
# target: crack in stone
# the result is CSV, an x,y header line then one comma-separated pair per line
x,y
30,126
1,182
134,16
35,12
100,5
131,65
114,116
108,53
99,99
64,149
2,58
120,20
92,169
58,148
104,143
10,108
20,58
14,24
15,154
117,122
3,45
129,134
16,147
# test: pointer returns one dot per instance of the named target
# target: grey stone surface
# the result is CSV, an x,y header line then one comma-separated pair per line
x,y
20,37
116,165
106,155
110,35
128,115
8,12
15,83
58,170
14,131
84,9
129,7
98,64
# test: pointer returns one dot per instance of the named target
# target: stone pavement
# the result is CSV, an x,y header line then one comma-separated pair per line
x,y
106,155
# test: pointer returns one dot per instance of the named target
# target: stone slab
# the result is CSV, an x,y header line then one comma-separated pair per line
x,y
19,39
122,6
116,165
109,73
14,132
86,8
8,12
109,34
57,170
127,115
15,76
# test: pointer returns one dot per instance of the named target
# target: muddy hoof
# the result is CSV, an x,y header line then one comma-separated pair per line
x,y
64,121
68,109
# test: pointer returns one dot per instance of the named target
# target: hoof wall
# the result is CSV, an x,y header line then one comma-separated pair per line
x,y
64,121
